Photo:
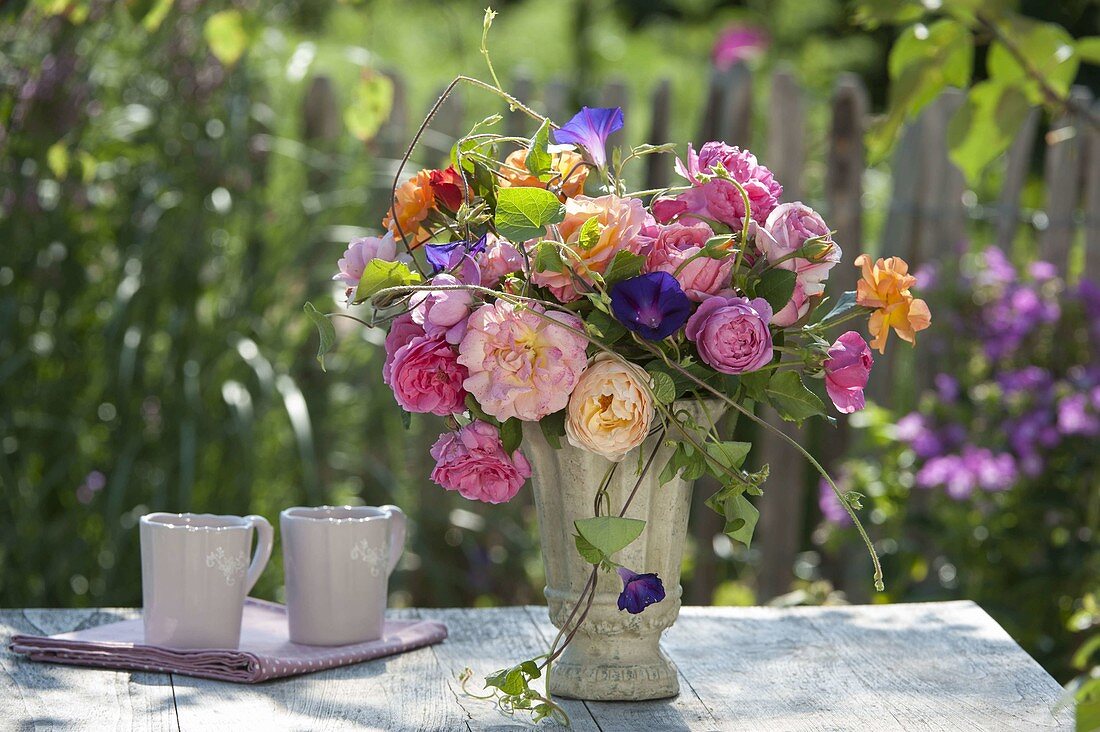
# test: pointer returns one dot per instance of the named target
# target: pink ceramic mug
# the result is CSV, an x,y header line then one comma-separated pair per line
x,y
195,574
338,561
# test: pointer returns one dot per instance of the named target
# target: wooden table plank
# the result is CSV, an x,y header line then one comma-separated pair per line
x,y
935,666
486,640
48,696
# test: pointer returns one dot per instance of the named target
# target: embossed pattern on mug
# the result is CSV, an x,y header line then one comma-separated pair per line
x,y
232,567
375,558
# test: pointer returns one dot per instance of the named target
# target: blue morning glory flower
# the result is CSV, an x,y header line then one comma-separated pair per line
x,y
639,591
590,129
447,255
652,305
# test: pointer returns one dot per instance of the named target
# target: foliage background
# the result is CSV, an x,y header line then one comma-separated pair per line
x,y
165,210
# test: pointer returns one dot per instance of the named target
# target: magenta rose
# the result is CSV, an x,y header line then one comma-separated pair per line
x,y
719,199
442,313
672,252
847,370
473,462
732,333
426,377
402,330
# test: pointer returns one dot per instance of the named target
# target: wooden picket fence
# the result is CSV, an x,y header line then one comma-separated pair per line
x,y
929,218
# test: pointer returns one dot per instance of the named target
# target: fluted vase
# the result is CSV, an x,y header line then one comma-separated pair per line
x,y
615,656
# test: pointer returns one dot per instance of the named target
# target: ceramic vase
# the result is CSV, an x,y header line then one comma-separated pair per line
x,y
615,655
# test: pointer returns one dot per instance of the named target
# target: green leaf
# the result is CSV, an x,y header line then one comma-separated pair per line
x,y
325,330
624,266
776,286
844,303
380,274
589,234
755,382
524,213
686,462
548,257
741,517
790,397
225,33
589,553
1088,49
406,420
664,388
370,106
553,427
1049,49
923,61
538,159
983,127
57,159
609,534
511,434
604,327
510,681
729,454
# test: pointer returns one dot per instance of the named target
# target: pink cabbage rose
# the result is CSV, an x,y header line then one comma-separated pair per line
x,y
520,365
847,370
358,254
732,333
426,377
402,330
621,224
472,461
700,277
719,199
442,313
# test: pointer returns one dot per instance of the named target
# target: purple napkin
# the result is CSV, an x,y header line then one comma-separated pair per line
x,y
265,652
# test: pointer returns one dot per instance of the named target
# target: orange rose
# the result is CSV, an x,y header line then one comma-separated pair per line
x,y
415,200
885,287
563,163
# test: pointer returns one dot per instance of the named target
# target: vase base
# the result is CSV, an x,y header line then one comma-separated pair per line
x,y
615,681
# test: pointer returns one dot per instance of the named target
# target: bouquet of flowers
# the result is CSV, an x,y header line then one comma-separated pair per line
x,y
524,282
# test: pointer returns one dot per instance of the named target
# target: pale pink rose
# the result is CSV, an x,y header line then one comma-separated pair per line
x,y
622,223
795,309
426,377
699,277
473,462
732,333
442,313
787,229
847,370
611,409
499,259
520,364
402,330
358,254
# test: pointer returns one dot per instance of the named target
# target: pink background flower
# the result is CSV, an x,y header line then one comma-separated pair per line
x,y
520,365
847,370
732,333
472,461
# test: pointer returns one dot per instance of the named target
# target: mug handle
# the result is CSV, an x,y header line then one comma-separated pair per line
x,y
398,522
265,537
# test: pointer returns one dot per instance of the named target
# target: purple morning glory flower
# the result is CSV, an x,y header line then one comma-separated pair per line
x,y
652,305
590,129
447,255
639,591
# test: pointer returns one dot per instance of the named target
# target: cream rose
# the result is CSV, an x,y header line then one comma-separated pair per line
x,y
611,408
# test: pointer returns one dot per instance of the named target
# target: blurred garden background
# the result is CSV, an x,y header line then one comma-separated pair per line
x,y
178,178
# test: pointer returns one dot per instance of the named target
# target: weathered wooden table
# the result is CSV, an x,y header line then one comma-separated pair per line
x,y
937,666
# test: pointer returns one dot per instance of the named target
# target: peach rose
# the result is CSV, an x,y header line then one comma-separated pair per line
x,y
415,200
611,409
623,223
